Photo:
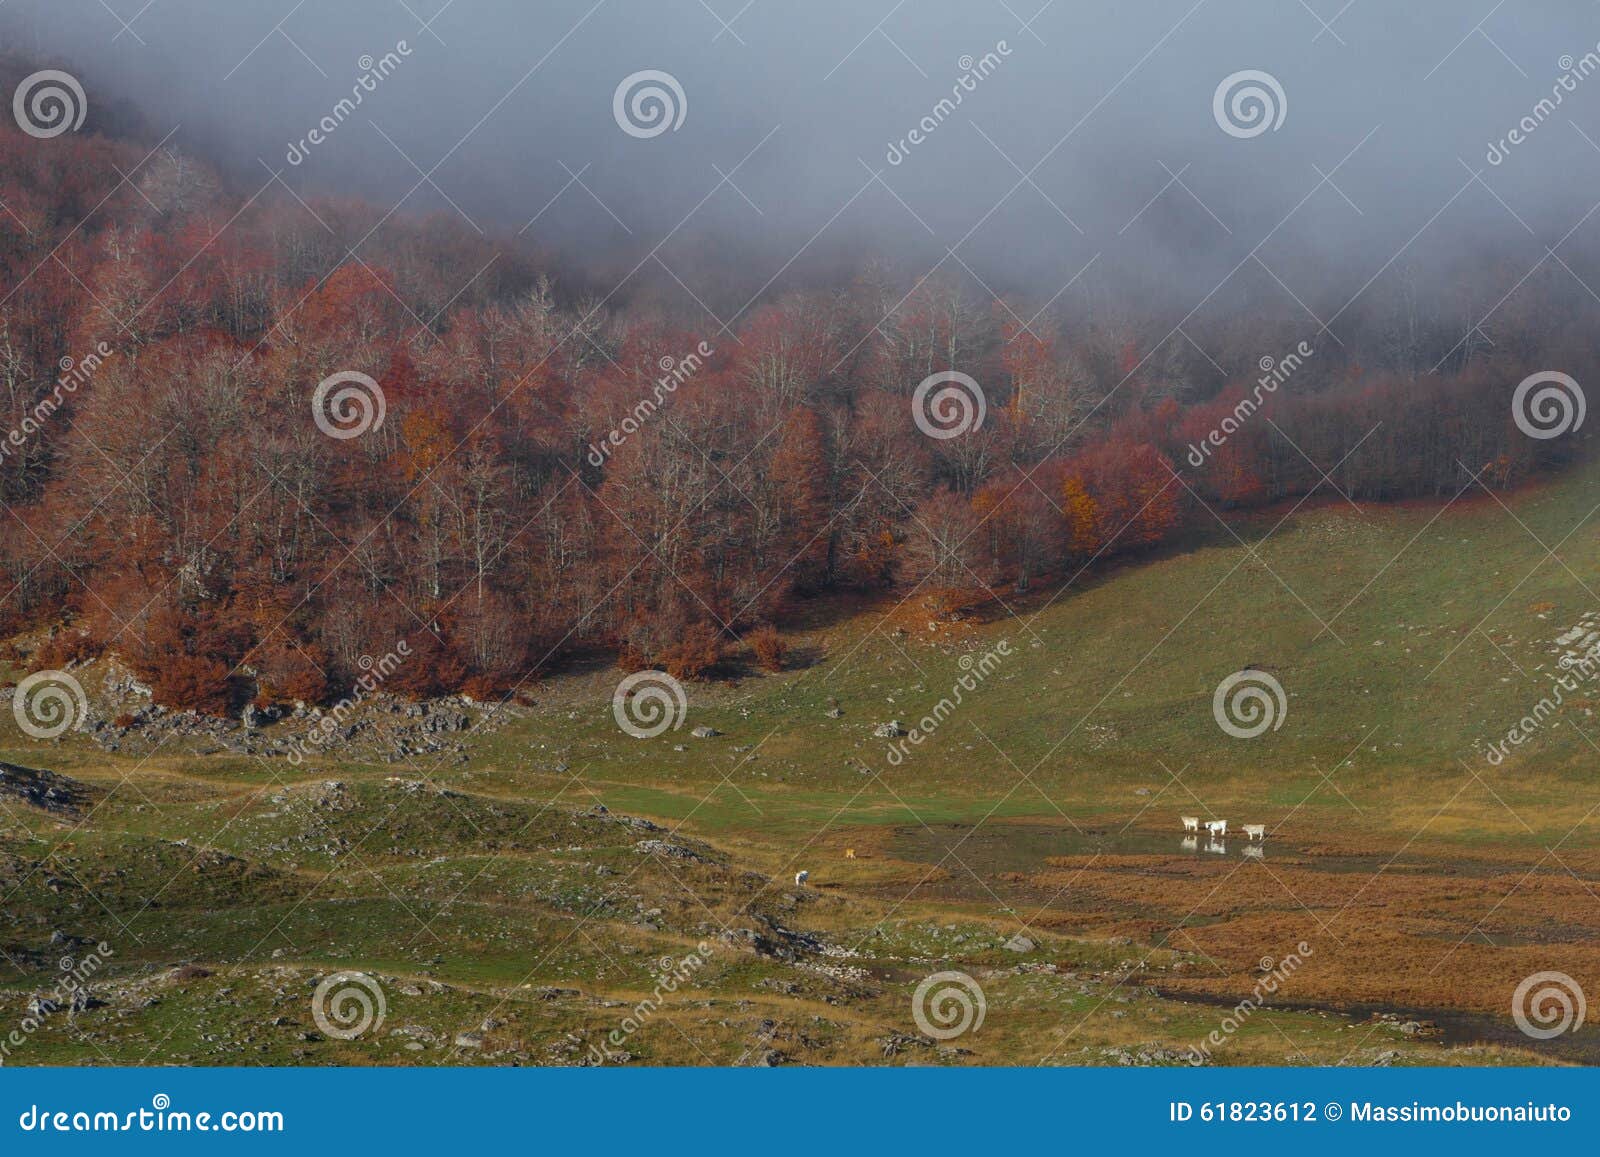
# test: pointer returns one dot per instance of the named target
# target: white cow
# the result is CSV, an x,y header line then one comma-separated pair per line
x,y
1190,823
1217,827
800,879
1255,831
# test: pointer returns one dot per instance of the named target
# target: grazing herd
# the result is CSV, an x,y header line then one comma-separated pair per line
x,y
1220,827
1216,830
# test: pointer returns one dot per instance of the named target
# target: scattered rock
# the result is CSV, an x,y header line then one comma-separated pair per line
x,y
42,789
1153,1056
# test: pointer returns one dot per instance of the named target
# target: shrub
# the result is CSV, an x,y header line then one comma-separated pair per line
x,y
432,668
193,683
768,646
286,671
699,650
485,688
63,649
185,655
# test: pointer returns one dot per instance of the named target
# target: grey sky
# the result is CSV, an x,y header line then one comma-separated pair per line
x,y
1106,107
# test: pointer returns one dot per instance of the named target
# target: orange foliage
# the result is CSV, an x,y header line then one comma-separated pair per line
x,y
695,654
1121,497
768,646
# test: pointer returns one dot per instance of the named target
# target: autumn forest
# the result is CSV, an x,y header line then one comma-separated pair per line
x,y
168,496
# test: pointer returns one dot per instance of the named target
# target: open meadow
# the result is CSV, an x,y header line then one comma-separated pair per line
x,y
519,902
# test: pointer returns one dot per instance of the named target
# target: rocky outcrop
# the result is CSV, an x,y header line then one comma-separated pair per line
x,y
43,789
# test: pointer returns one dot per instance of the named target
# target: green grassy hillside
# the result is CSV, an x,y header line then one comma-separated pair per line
x,y
507,897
